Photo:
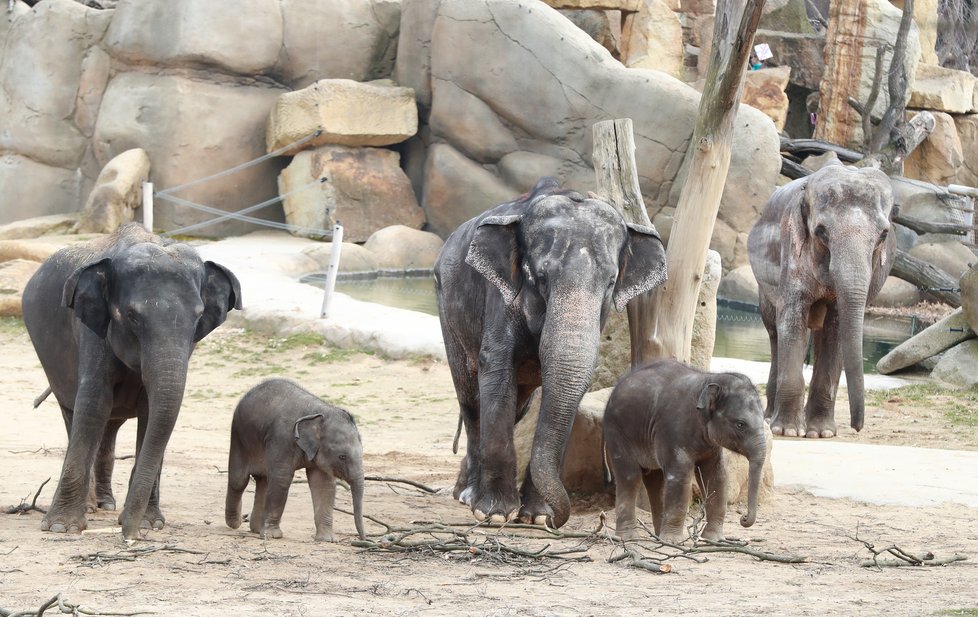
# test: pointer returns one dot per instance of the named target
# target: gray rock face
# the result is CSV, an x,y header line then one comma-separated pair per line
x,y
897,292
933,340
739,284
365,190
163,114
35,189
952,257
518,59
399,247
959,365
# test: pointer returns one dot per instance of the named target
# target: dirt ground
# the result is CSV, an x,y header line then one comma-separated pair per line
x,y
407,414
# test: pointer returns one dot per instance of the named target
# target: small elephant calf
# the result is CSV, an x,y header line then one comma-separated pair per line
x,y
667,423
278,427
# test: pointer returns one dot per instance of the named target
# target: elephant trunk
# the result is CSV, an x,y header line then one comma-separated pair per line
x,y
164,374
569,353
356,488
755,460
852,303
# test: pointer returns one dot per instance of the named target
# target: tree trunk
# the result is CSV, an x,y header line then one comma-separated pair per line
x,y
936,285
709,160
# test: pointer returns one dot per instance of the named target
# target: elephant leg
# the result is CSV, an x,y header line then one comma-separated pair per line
x,y
323,488
496,497
628,482
258,508
276,494
153,517
792,344
675,503
93,405
238,477
769,318
105,465
820,408
712,479
654,486
468,473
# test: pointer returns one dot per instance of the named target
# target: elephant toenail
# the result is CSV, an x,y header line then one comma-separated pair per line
x,y
540,519
479,515
497,519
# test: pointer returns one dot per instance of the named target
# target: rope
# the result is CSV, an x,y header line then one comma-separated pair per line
x,y
252,163
240,214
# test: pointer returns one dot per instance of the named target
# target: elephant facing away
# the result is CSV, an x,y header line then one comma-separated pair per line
x,y
820,251
666,423
279,427
114,322
523,292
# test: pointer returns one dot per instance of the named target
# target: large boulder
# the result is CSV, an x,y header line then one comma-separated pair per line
x,y
764,90
14,275
652,38
959,365
192,129
189,33
936,338
343,112
938,158
953,257
969,297
520,58
362,188
739,285
117,193
34,189
941,89
897,292
399,247
967,129
38,226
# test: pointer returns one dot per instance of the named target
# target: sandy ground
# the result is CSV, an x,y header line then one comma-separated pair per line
x,y
407,413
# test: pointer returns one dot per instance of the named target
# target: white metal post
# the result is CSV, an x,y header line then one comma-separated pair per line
x,y
148,206
334,265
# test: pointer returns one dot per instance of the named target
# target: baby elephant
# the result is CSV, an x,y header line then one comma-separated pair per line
x,y
667,423
278,427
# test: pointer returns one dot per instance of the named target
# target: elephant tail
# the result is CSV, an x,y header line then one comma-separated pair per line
x,y
43,395
458,433
609,477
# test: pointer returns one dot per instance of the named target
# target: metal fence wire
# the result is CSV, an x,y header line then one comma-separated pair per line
x,y
242,214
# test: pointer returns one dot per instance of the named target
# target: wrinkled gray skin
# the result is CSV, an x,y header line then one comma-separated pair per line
x,y
666,423
821,251
523,291
114,322
279,427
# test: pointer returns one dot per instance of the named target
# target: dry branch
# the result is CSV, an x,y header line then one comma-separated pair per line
x,y
903,558
67,608
413,483
23,508
101,558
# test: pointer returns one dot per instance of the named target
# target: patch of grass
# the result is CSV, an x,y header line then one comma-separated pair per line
x,y
959,612
960,407
963,414
12,325
295,341
332,355
914,393
260,371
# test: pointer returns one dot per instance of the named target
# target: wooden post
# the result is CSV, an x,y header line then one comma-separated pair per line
x,y
336,246
709,160
148,206
613,156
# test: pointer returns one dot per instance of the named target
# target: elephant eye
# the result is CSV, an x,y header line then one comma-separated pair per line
x,y
883,235
132,316
741,425
822,233
342,457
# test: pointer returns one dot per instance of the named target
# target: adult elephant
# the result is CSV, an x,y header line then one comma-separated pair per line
x,y
820,252
523,292
114,322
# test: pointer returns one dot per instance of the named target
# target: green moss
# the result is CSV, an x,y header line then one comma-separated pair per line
x,y
12,325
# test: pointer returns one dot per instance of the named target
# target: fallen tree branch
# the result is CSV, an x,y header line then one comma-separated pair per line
x,y
935,284
100,558
903,558
68,608
23,508
413,483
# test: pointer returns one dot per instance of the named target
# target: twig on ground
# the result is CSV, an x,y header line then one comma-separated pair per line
x,y
23,508
66,607
903,558
101,558
415,484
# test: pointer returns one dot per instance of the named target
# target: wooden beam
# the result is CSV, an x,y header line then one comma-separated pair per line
x,y
933,282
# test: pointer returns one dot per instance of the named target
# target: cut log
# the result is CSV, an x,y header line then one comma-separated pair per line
x,y
934,283
926,227
806,147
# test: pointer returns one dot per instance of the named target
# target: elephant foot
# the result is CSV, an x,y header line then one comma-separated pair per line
x,y
536,511
325,537
496,506
233,521
787,429
823,428
713,533
627,532
58,521
672,536
271,531
254,525
107,503
152,519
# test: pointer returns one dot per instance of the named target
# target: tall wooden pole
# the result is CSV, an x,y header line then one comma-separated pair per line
x,y
709,160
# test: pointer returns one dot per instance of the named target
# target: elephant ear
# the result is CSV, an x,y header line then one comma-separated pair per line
x,y
795,227
86,292
642,264
493,253
220,292
308,432
707,402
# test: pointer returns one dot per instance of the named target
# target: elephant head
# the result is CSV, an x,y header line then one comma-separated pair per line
x,y
151,303
332,443
731,411
840,228
560,264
